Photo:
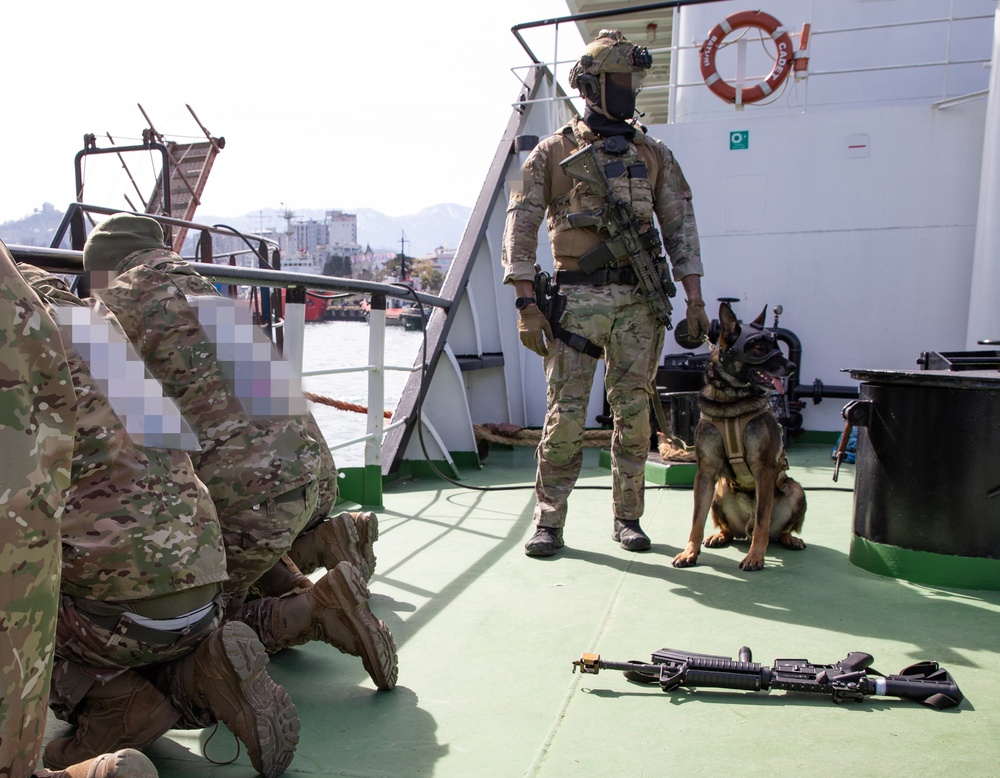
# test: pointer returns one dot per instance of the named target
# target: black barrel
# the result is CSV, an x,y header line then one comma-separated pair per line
x,y
927,492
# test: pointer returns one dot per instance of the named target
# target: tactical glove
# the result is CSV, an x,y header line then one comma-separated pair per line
x,y
531,326
697,319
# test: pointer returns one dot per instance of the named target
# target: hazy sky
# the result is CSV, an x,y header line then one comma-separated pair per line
x,y
387,104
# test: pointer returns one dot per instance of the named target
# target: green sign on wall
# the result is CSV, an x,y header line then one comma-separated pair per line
x,y
739,139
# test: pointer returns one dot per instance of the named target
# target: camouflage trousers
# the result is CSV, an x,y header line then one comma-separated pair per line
x,y
92,648
29,570
258,535
617,320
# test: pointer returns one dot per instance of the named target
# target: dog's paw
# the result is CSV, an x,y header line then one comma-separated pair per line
x,y
685,559
792,542
751,563
717,540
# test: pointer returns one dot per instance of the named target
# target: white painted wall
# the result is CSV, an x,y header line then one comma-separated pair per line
x,y
854,208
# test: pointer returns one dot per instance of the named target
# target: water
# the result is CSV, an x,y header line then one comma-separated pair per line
x,y
339,344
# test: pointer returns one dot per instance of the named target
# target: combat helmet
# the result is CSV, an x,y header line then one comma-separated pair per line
x,y
609,53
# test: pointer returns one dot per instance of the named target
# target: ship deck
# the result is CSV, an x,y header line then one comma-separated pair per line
x,y
486,638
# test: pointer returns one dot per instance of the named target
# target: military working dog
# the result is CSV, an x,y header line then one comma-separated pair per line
x,y
739,449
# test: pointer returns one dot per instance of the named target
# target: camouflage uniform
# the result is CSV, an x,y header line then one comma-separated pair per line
x,y
37,421
265,471
140,538
613,316
260,471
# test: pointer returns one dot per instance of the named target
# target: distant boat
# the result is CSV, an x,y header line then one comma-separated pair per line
x,y
412,318
316,306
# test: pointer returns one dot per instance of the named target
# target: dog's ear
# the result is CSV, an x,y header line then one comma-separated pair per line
x,y
759,321
729,326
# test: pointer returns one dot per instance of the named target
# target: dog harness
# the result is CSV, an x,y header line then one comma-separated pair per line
x,y
732,437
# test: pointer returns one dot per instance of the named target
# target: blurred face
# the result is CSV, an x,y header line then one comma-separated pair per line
x,y
101,279
620,90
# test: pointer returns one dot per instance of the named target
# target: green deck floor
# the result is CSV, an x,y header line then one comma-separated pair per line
x,y
486,638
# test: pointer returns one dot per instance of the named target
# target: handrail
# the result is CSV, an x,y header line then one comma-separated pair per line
x,y
676,49
582,17
292,327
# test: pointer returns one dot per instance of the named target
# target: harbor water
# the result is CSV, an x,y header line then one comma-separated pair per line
x,y
332,345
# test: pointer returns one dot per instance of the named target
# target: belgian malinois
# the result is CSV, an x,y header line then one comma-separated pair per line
x,y
739,450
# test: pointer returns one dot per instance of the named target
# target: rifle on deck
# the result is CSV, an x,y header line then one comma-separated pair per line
x,y
848,680
642,249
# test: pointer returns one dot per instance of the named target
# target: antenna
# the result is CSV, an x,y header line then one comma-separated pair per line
x,y
402,256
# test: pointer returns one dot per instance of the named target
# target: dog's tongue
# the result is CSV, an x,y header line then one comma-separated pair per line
x,y
779,387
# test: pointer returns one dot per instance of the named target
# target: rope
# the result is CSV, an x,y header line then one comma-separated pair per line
x,y
673,449
340,404
519,436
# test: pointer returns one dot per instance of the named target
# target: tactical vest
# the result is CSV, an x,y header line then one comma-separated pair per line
x,y
732,437
631,175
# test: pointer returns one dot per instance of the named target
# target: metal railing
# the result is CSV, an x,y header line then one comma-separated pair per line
x,y
667,104
281,316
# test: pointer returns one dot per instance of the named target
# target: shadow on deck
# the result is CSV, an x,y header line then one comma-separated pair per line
x,y
487,635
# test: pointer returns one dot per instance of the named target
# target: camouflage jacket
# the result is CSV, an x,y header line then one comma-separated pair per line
x,y
138,522
244,459
545,191
37,419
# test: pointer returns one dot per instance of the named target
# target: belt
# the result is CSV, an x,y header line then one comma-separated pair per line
x,y
602,277
168,606
125,627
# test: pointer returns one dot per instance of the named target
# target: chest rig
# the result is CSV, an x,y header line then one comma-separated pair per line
x,y
620,158
628,177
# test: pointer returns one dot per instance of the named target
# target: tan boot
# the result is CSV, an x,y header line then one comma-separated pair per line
x,y
127,763
281,579
126,712
335,610
227,675
346,537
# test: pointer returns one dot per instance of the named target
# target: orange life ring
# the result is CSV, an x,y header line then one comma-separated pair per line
x,y
782,62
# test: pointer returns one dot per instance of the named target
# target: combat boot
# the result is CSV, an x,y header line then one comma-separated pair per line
x,y
346,537
335,610
127,763
630,535
227,675
126,712
281,579
545,542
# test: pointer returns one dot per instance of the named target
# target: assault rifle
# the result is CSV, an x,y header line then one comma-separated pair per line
x,y
642,249
848,680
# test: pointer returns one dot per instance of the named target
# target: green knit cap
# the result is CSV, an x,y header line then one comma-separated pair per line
x,y
118,236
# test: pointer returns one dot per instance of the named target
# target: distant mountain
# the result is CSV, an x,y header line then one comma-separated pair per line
x,y
34,230
438,225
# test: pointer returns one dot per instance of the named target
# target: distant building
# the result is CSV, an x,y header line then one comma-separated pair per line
x,y
224,246
441,257
342,233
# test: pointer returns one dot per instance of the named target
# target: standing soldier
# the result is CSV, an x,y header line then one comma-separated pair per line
x,y
605,307
263,470
37,424
143,568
